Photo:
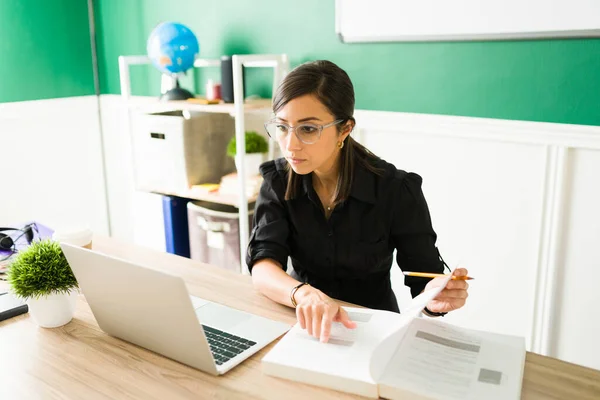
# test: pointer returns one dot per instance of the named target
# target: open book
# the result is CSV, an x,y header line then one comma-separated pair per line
x,y
398,356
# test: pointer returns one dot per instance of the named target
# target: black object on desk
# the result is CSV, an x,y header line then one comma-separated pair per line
x,y
11,306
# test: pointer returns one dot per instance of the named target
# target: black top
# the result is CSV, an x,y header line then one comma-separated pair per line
x,y
349,255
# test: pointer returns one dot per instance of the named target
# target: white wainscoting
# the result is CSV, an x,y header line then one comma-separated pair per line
x,y
517,204
52,163
576,326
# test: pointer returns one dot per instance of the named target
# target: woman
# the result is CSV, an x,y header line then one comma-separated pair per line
x,y
337,211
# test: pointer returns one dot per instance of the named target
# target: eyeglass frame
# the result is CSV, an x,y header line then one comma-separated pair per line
x,y
321,128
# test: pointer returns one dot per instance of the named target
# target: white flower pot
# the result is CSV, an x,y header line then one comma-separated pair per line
x,y
53,310
251,163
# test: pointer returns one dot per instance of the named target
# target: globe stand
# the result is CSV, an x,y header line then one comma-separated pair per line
x,y
176,93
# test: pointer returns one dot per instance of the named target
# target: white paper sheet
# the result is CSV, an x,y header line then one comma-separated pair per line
x,y
447,362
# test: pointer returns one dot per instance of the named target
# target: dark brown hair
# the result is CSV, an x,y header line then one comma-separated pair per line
x,y
332,86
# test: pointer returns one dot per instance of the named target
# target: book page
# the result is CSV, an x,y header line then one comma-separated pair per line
x,y
346,354
442,361
417,304
385,350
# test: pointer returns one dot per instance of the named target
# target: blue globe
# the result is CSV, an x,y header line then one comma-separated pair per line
x,y
172,47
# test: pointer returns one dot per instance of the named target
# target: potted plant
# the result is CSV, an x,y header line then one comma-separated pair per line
x,y
41,275
256,150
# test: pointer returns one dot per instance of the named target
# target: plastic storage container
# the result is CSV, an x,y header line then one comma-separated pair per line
x,y
174,150
214,231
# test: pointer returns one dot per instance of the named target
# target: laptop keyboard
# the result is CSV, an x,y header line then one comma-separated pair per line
x,y
224,346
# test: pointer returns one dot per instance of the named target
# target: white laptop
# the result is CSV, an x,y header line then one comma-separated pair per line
x,y
154,310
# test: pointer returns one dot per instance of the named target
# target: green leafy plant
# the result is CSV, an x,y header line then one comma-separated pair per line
x,y
40,270
255,143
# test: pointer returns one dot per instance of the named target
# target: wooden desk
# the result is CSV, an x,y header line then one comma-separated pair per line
x,y
79,361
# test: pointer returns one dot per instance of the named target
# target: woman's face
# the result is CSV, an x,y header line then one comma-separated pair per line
x,y
318,156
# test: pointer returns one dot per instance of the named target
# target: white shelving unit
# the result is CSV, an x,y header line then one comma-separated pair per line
x,y
280,64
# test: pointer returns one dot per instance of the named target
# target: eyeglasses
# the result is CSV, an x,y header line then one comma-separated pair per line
x,y
306,133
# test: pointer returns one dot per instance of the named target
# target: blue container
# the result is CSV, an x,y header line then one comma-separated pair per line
x,y
176,225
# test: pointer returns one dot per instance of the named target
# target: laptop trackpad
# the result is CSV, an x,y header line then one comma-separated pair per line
x,y
221,317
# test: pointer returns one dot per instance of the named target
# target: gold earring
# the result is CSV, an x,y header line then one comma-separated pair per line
x,y
341,144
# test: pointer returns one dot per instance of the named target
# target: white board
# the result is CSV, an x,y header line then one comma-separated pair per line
x,y
445,20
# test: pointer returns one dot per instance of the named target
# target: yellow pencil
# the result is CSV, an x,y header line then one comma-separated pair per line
x,y
430,275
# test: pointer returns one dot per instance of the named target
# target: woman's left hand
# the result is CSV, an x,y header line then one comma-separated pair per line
x,y
453,296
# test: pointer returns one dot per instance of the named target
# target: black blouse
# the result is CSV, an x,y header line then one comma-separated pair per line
x,y
349,255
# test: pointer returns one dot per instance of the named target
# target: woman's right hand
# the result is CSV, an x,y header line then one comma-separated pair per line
x,y
316,311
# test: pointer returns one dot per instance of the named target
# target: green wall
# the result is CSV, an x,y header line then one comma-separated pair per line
x,y
550,80
45,50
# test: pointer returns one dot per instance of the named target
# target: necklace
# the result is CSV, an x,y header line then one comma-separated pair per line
x,y
329,206
331,201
